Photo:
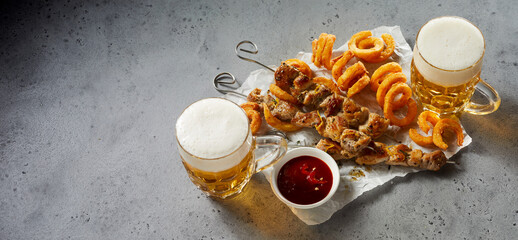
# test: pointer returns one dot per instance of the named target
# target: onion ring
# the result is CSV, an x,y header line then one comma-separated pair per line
x,y
334,60
328,51
358,85
250,106
328,83
386,85
314,48
282,95
381,73
339,65
420,139
255,120
422,121
427,116
373,52
369,43
276,123
319,48
351,73
300,65
439,129
389,105
387,51
322,50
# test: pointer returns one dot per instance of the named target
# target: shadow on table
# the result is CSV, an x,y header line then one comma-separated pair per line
x,y
258,210
495,135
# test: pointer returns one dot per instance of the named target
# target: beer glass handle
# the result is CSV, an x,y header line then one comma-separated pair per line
x,y
276,147
492,96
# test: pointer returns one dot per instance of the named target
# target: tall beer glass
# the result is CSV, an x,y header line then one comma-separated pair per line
x,y
217,147
446,65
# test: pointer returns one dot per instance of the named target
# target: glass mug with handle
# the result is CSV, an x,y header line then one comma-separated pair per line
x,y
446,66
217,147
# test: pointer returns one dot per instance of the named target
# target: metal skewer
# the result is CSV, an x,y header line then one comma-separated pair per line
x,y
254,51
220,79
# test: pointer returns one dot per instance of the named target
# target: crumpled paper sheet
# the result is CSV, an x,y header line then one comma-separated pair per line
x,y
351,186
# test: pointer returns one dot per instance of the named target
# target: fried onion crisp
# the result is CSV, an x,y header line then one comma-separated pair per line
x,y
369,43
387,51
252,112
322,50
300,65
386,85
276,123
250,106
351,74
442,126
420,139
340,62
382,72
320,44
282,95
427,116
328,51
255,120
358,85
389,105
328,83
372,49
422,121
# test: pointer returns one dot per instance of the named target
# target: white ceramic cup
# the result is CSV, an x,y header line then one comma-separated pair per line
x,y
306,151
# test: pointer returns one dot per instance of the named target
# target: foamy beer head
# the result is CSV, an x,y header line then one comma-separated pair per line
x,y
449,51
213,135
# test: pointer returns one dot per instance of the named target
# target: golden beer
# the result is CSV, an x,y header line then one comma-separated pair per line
x,y
223,183
217,147
439,98
446,66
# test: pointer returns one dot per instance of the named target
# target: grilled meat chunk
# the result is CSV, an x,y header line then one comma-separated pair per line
x,y
309,119
373,154
255,96
291,79
332,127
352,142
433,161
402,155
354,113
284,111
312,98
284,76
302,82
375,126
399,155
332,105
329,146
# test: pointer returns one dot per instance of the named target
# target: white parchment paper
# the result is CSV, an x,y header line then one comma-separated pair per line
x,y
354,179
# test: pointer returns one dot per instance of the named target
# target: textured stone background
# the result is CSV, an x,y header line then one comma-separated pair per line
x,y
90,92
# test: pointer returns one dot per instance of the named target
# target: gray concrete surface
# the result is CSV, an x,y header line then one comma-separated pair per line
x,y
90,92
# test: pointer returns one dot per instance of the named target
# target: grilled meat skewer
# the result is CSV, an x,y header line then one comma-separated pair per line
x,y
348,127
399,155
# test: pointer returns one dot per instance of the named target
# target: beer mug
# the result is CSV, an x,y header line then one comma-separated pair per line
x,y
217,147
446,66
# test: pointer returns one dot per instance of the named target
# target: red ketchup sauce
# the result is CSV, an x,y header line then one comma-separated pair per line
x,y
305,180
